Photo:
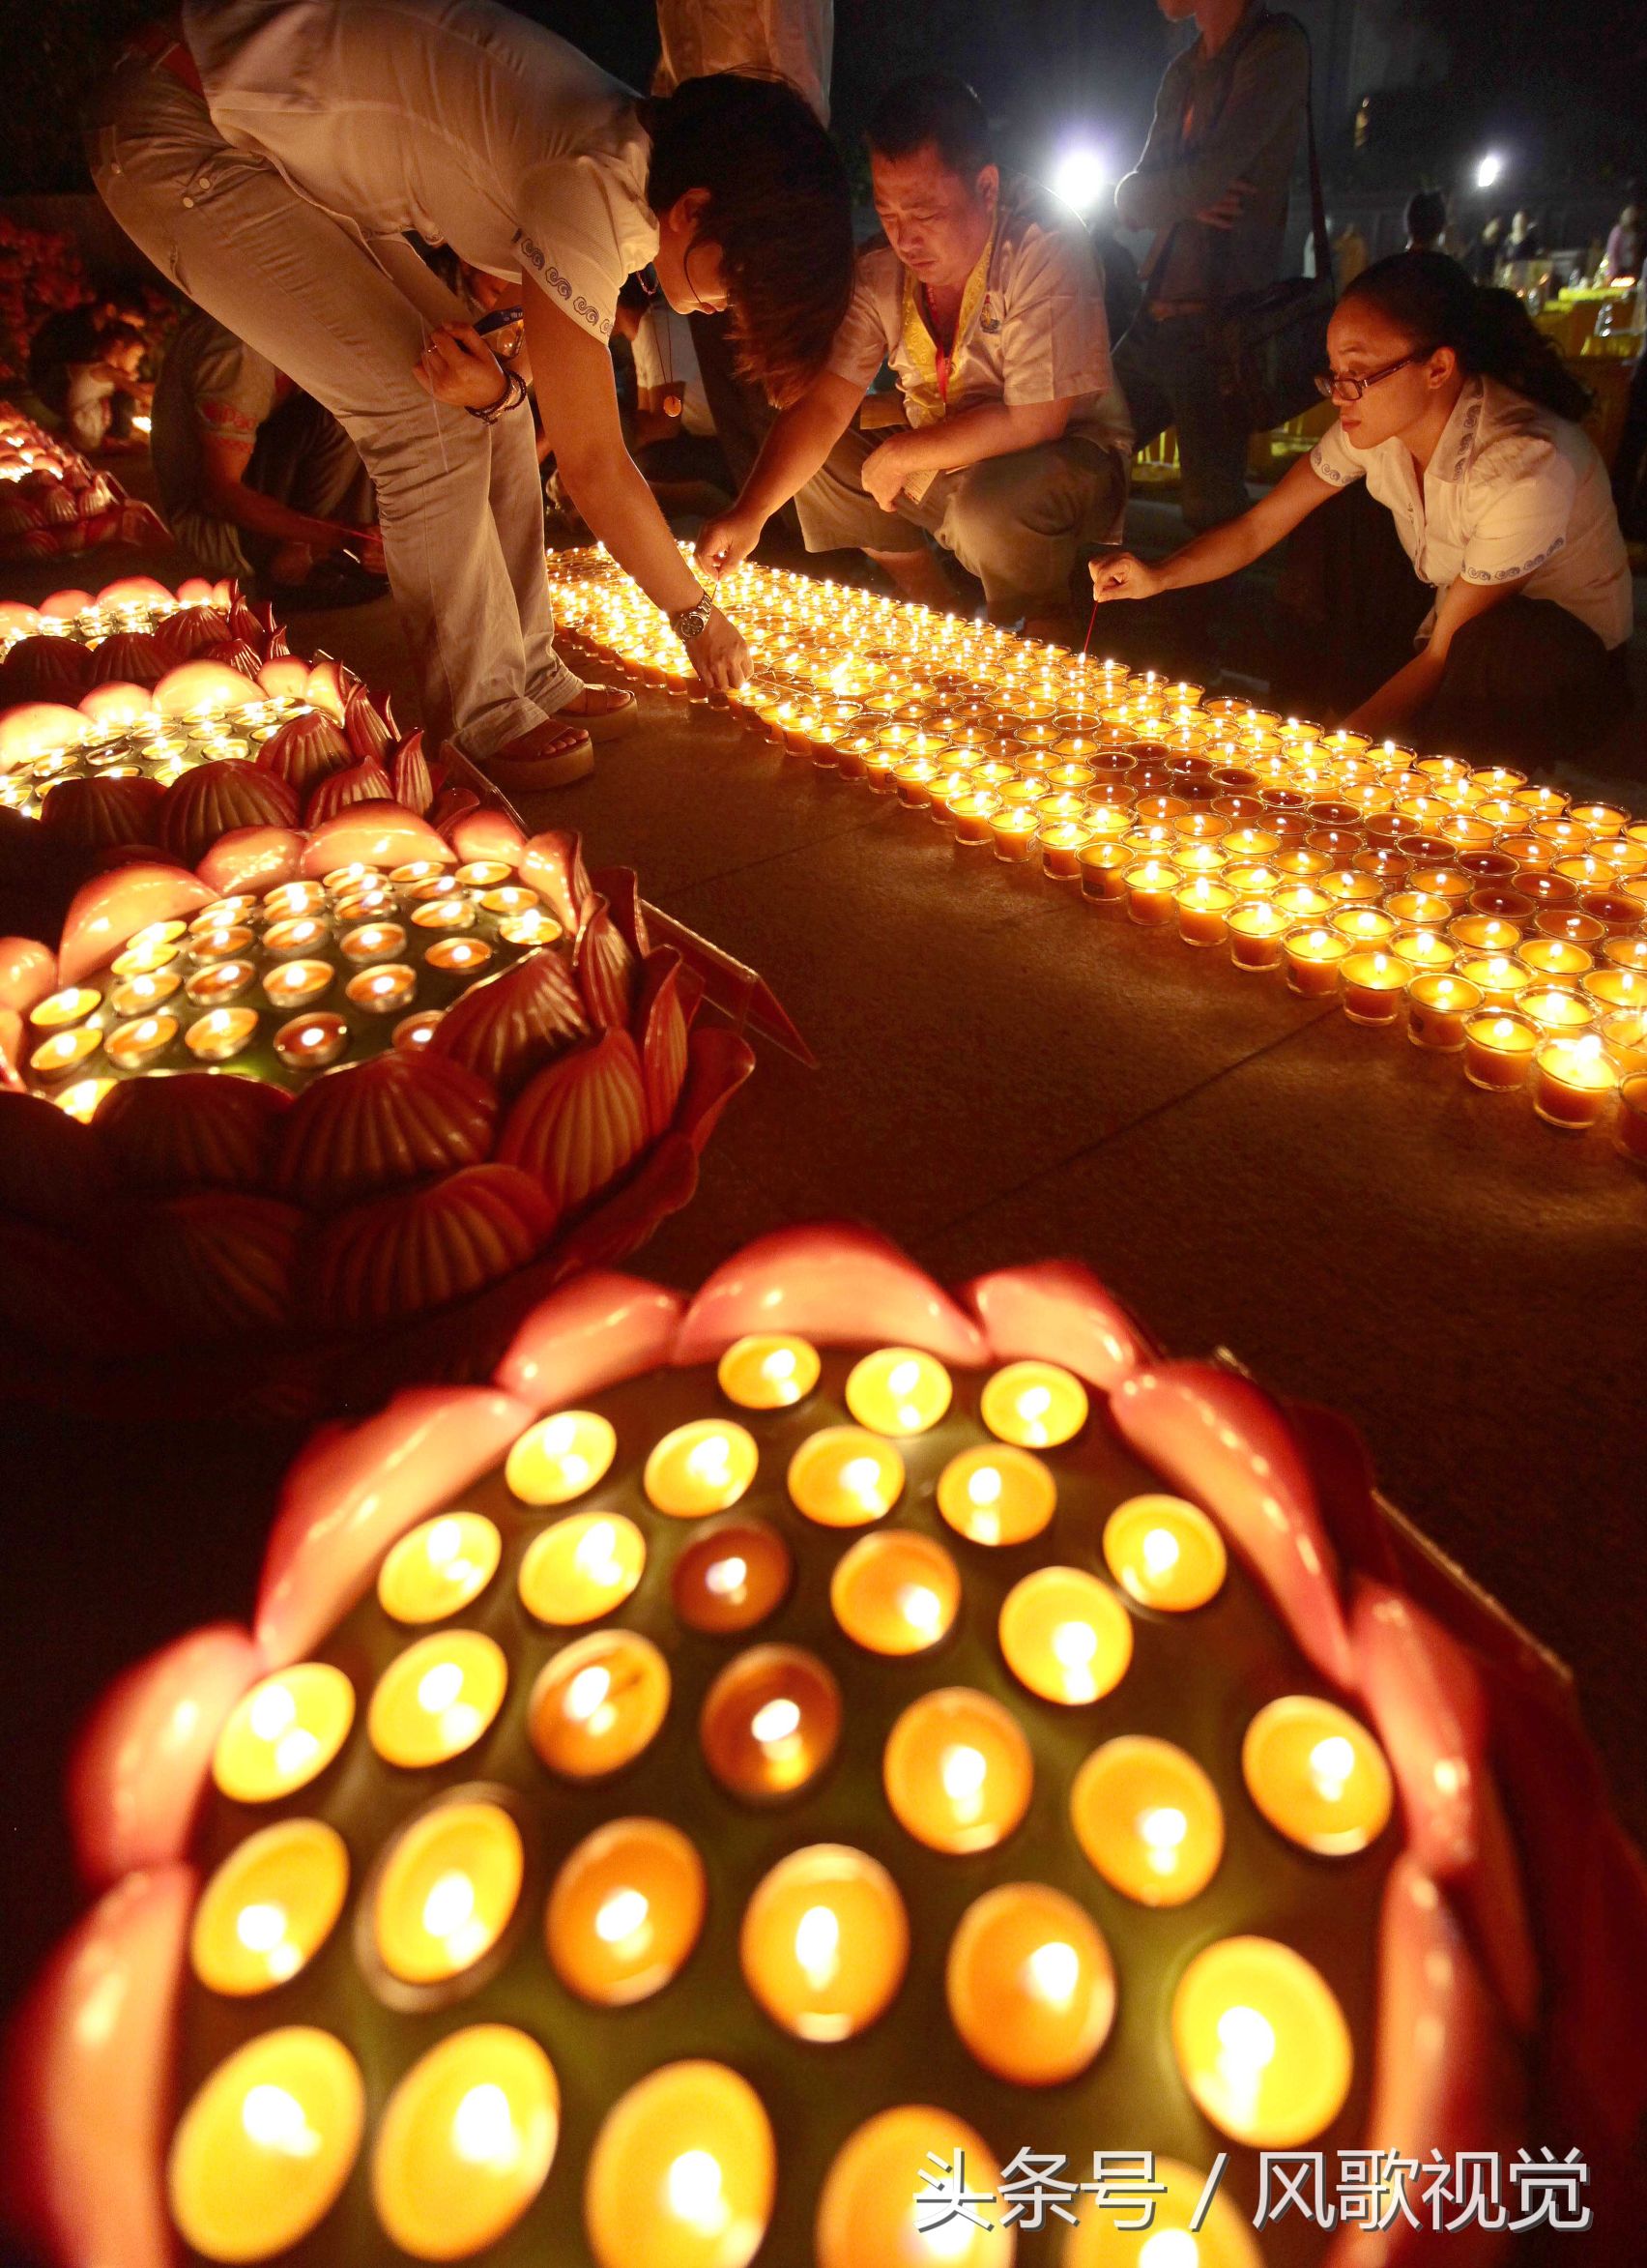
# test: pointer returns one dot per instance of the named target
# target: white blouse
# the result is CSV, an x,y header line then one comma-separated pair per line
x,y
1512,491
455,119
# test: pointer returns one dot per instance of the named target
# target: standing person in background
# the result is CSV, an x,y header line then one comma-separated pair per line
x,y
1212,188
1623,254
1425,220
1523,241
1488,250
792,40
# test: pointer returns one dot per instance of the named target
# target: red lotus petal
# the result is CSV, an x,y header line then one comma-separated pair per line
x,y
195,1129
192,629
115,706
252,859
1218,1438
354,1493
28,972
196,590
88,2082
234,654
52,1168
94,814
660,1024
599,1330
110,908
1446,2076
718,1062
375,834
408,779
832,1281
420,1248
1058,1311
483,833
552,864
325,687
133,658
340,790
605,967
366,1127
142,1760
205,684
18,618
65,605
134,591
219,1259
581,1124
367,730
1424,1694
283,677
41,729
451,807
306,750
506,1025
220,799
620,888
45,669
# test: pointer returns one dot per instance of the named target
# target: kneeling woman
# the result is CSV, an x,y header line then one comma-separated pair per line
x,y
272,159
1463,422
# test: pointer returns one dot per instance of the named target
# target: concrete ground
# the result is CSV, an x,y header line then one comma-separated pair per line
x,y
1007,1073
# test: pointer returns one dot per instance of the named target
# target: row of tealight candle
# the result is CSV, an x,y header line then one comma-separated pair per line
x,y
1498,920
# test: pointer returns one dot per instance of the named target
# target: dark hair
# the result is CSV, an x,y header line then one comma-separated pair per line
x,y
121,334
1425,216
935,109
778,207
1431,299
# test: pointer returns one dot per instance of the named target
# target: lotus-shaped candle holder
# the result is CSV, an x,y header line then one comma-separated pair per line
x,y
52,500
330,1109
677,1799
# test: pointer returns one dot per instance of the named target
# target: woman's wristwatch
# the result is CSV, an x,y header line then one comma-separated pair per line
x,y
693,620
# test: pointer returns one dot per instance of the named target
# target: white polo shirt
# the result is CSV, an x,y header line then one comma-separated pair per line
x,y
455,119
1032,327
1512,490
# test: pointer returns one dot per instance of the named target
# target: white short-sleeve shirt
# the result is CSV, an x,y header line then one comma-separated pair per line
x,y
1037,333
1512,491
793,38
455,119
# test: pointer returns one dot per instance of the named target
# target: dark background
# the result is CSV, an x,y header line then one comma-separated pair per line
x,y
1561,85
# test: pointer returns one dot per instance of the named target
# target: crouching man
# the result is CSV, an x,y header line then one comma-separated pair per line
x,y
987,297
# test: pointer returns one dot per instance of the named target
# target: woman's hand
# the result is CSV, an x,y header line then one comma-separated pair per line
x,y
460,368
719,655
724,544
1123,577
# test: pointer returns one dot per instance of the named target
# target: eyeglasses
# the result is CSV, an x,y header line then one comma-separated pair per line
x,y
1333,388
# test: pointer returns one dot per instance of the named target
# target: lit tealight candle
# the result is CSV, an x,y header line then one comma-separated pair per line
x,y
81,1099
772,1371
1574,1080
1439,1007
1165,1553
447,1891
598,1704
465,2143
438,1567
383,991
294,984
1630,1130
223,982
60,1009
625,1911
898,1391
1498,1049
437,1698
1030,1984
1151,886
1313,955
269,1908
1148,1819
222,1034
824,1942
1554,1009
958,1772
302,934
226,942
1318,1775
1373,986
560,1457
1262,2043
581,1568
702,1468
1256,930
997,1495
895,1593
448,914
283,1732
1065,1636
770,1722
872,2209
534,927
1182,2230
373,941
460,956
412,1033
845,1477
1034,1404
266,2146
683,2173
730,1577
1204,906
66,1051
140,995
310,1043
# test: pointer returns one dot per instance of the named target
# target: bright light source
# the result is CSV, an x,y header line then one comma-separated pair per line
x,y
1080,177
1489,170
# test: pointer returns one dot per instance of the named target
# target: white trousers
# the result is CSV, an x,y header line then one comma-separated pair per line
x,y
459,501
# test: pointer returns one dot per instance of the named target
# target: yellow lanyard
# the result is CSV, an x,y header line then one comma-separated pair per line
x,y
932,366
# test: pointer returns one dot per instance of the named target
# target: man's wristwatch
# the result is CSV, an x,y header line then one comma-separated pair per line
x,y
693,620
